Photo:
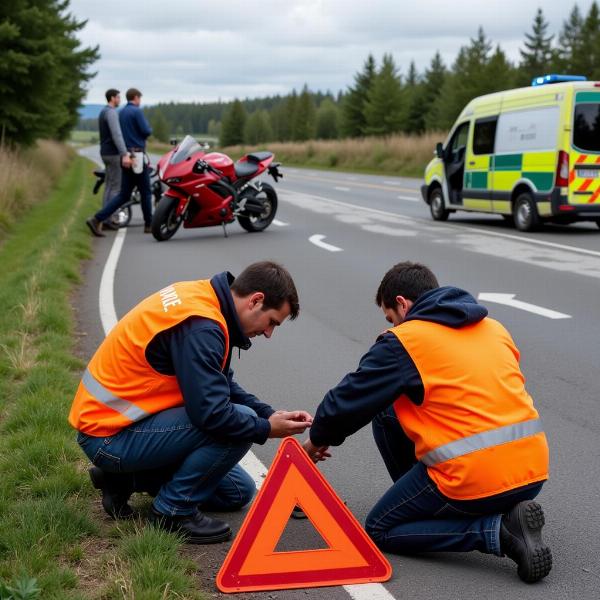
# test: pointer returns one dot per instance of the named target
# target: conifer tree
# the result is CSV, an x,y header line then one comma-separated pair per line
x,y
353,104
536,56
258,128
304,117
383,109
234,123
568,51
328,118
433,83
43,70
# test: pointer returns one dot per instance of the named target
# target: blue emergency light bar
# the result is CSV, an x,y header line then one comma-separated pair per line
x,y
547,79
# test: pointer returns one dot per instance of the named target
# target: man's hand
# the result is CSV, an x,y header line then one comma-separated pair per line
x,y
126,161
284,423
316,453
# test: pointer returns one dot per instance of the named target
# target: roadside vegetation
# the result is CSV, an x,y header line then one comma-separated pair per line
x,y
55,543
26,176
400,155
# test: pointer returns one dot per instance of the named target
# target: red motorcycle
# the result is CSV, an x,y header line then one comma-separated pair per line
x,y
210,189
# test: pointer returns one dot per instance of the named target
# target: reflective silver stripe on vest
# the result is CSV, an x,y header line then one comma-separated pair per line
x,y
102,395
479,441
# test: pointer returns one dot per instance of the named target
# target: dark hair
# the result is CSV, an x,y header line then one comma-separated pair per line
x,y
407,279
111,94
273,280
132,93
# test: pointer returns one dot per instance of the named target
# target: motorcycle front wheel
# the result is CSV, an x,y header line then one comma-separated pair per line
x,y
165,221
267,197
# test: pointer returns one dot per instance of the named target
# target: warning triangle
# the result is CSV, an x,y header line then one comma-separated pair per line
x,y
253,564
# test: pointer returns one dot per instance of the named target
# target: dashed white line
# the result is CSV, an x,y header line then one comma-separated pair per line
x,y
279,223
317,240
409,198
341,189
391,182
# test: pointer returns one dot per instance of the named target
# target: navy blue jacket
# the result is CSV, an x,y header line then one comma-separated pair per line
x,y
387,371
194,351
134,126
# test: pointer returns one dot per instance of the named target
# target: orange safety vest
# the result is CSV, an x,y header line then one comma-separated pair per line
x,y
476,430
119,387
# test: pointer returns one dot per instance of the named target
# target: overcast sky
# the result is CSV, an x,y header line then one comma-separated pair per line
x,y
200,50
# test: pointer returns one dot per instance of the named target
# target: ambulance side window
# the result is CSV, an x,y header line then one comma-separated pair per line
x,y
459,142
484,135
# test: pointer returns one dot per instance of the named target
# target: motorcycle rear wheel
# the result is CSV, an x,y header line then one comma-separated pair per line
x,y
253,223
165,221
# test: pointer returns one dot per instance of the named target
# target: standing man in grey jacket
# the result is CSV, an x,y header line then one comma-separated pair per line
x,y
113,151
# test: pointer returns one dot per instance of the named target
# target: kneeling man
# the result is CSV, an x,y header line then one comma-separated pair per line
x,y
456,428
158,410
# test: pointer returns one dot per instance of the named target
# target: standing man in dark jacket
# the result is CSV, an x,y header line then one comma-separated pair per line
x,y
113,151
136,131
456,428
158,410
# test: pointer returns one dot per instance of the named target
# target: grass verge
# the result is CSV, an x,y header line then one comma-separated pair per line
x,y
26,177
52,543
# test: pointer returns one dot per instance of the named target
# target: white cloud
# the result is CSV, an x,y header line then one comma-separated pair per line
x,y
201,50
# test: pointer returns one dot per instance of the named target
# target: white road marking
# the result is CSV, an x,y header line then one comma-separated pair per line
x,y
255,468
341,189
279,223
317,240
409,198
108,314
391,182
509,300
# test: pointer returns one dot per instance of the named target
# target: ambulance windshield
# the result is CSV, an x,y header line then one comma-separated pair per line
x,y
586,127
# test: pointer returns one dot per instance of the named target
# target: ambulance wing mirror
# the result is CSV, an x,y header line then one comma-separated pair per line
x,y
439,150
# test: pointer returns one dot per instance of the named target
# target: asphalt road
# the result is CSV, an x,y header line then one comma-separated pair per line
x,y
375,222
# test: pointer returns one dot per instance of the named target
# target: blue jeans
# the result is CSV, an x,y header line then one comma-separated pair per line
x,y
181,465
129,180
414,516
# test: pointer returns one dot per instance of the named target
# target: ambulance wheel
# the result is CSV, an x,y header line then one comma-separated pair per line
x,y
525,213
436,205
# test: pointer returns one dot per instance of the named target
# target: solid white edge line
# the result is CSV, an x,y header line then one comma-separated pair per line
x,y
317,240
255,468
108,314
575,249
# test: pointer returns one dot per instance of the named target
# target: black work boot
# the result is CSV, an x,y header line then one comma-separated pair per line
x,y
95,227
196,528
116,489
110,225
521,540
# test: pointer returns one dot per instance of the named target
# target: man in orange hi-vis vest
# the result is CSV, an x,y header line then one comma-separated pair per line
x,y
158,410
456,428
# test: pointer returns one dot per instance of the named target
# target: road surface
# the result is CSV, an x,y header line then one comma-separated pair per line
x,y
338,233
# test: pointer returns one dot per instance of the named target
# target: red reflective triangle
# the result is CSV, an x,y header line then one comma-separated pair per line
x,y
252,563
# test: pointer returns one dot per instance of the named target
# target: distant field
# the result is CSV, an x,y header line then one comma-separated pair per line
x,y
84,137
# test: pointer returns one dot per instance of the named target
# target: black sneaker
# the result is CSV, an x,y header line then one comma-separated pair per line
x,y
196,528
116,491
95,227
521,540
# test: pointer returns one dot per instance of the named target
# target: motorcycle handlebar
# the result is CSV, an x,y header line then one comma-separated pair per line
x,y
202,166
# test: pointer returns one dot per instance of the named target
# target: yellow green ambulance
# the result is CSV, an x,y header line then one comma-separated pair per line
x,y
530,154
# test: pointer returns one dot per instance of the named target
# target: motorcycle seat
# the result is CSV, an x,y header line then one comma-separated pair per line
x,y
259,156
245,169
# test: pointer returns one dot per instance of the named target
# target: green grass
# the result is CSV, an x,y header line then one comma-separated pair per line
x,y
48,532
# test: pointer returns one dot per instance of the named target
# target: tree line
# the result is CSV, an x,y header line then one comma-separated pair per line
x,y
382,101
43,70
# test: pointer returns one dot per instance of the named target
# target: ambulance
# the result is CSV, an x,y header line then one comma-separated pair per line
x,y
531,155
